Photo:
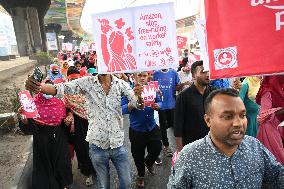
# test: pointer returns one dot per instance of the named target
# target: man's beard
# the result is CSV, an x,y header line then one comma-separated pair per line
x,y
202,82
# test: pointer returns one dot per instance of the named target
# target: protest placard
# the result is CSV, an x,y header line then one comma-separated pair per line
x,y
84,49
93,46
193,58
29,107
181,42
136,39
51,41
67,46
155,84
149,94
244,37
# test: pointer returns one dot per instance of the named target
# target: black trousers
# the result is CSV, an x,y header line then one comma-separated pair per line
x,y
166,120
139,142
81,146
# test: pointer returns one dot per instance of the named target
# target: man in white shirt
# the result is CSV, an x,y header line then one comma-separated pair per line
x,y
184,75
105,132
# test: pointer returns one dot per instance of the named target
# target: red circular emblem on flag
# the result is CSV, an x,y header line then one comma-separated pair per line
x,y
225,58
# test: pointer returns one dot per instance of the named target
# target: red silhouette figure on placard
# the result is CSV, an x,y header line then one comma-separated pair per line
x,y
105,27
129,33
116,49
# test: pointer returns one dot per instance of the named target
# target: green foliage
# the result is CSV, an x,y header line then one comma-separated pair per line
x,y
15,99
43,57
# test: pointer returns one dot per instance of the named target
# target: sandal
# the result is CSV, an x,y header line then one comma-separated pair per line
x,y
89,181
140,182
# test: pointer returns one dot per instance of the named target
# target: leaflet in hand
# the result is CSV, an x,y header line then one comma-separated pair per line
x,y
29,107
149,93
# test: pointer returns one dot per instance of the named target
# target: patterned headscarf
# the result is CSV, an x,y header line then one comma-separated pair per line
x,y
51,111
77,104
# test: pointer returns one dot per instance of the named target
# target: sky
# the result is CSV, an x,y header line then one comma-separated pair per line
x,y
183,8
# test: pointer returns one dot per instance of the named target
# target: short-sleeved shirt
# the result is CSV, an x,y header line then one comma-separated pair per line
x,y
220,83
140,120
167,84
105,128
184,77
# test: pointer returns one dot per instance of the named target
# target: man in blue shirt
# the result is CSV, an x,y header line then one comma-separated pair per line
x,y
169,83
143,133
226,158
220,83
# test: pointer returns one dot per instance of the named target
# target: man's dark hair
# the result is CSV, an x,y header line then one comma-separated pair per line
x,y
72,70
48,81
194,66
225,91
184,61
64,56
77,62
76,58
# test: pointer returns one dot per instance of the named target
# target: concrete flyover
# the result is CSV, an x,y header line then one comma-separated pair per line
x,y
28,21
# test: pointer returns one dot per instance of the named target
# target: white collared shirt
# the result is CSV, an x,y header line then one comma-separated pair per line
x,y
105,128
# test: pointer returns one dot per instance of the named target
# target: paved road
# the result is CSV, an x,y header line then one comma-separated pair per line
x,y
159,181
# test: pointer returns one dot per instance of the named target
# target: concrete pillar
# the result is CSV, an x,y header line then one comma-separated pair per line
x,y
42,31
27,30
19,18
34,28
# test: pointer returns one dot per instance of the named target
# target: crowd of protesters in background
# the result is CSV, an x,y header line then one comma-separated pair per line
x,y
81,110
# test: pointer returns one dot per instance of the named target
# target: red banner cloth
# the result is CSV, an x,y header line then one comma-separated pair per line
x,y
244,37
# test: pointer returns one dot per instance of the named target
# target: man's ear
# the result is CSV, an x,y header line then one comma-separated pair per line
x,y
207,120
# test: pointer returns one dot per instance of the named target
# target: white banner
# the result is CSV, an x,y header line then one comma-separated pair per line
x,y
84,48
51,41
67,46
93,46
200,31
7,35
136,39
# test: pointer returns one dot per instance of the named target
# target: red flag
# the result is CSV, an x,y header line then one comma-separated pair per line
x,y
244,37
181,42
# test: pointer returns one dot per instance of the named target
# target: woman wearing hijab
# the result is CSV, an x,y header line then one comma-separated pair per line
x,y
78,119
93,71
55,73
270,97
248,94
64,69
51,160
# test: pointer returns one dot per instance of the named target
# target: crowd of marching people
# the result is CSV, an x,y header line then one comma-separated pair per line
x,y
228,132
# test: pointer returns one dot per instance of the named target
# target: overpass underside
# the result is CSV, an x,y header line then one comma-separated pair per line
x,y
28,21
